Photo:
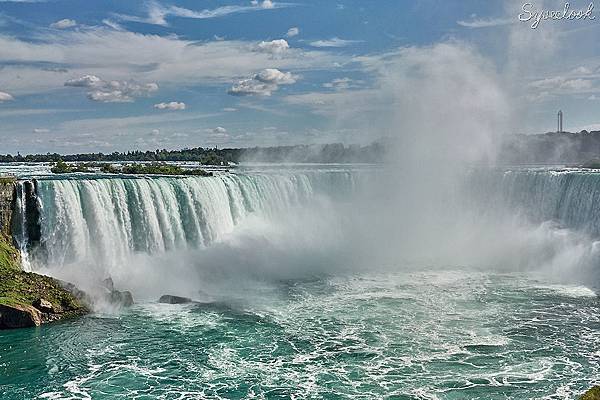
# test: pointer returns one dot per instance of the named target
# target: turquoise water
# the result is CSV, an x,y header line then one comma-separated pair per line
x,y
430,334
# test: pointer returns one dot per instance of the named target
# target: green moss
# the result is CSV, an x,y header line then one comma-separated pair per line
x,y
10,258
24,288
592,394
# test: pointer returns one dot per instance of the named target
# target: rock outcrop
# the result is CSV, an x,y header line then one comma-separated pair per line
x,y
592,394
115,297
28,299
170,299
7,198
19,316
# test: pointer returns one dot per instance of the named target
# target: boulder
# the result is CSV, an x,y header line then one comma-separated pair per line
x,y
122,299
19,316
170,299
44,306
108,284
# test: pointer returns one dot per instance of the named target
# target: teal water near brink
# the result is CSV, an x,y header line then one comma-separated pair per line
x,y
442,334
279,315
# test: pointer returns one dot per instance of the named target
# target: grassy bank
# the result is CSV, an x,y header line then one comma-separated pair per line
x,y
24,291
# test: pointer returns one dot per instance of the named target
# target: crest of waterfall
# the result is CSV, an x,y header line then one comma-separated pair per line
x,y
106,220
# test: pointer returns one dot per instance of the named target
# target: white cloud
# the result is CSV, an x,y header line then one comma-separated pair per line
x,y
263,83
333,42
102,51
173,105
593,97
561,84
112,24
85,81
5,97
220,130
339,84
157,14
266,4
293,32
64,24
486,22
112,91
275,47
275,76
581,71
41,130
229,109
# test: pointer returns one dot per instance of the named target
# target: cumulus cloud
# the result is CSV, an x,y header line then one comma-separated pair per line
x,y
219,130
333,42
266,4
263,83
64,24
275,47
85,81
112,91
581,71
5,97
41,130
293,32
173,105
102,51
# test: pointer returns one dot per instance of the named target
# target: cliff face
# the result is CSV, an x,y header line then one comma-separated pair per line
x,y
7,191
28,299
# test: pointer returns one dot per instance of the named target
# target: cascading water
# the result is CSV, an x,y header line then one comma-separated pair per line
x,y
567,197
103,222
440,328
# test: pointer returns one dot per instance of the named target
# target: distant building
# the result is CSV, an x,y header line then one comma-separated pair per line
x,y
560,122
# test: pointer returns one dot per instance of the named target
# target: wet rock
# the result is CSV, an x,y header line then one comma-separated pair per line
x,y
19,316
592,394
170,299
108,284
44,306
122,299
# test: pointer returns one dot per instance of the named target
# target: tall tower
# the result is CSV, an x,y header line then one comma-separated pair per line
x,y
560,121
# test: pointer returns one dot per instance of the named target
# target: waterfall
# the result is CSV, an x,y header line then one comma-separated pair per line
x,y
107,219
570,197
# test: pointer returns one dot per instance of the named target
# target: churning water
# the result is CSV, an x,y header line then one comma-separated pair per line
x,y
292,305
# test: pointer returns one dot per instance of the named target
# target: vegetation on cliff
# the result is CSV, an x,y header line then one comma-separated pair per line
x,y
141,169
153,169
29,299
592,394
62,167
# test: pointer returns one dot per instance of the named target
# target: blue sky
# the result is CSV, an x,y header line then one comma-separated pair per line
x,y
78,76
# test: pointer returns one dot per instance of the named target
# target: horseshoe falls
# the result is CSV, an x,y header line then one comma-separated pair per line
x,y
309,283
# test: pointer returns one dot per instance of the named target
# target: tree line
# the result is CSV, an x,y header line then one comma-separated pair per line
x,y
328,153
